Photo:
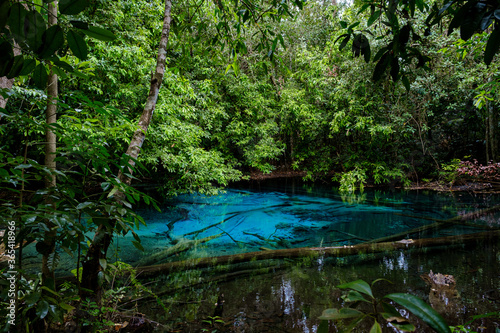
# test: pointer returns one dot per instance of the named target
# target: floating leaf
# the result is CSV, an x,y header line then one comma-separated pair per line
x,y
4,13
138,245
80,24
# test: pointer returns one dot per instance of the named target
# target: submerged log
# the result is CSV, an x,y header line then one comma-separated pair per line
x,y
336,251
181,246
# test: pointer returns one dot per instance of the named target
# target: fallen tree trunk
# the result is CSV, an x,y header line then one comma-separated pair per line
x,y
337,251
181,246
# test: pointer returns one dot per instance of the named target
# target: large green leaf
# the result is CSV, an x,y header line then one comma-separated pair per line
x,y
358,285
34,27
344,313
492,46
422,310
373,17
16,21
376,328
99,33
53,40
28,66
42,309
72,7
392,316
77,45
17,66
6,58
40,76
4,13
354,296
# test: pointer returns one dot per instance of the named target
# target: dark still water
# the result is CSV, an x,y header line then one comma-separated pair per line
x,y
288,296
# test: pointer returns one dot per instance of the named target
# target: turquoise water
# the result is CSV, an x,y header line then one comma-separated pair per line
x,y
289,296
293,214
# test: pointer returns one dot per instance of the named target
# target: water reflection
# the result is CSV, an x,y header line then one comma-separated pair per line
x,y
291,300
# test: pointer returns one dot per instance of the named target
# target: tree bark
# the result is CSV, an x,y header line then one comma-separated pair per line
x,y
49,240
336,251
104,234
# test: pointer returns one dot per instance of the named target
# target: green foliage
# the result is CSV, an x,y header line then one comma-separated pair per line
x,y
398,26
359,292
26,29
37,303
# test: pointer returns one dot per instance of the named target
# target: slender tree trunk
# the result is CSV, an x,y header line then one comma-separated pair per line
x,y
49,241
104,234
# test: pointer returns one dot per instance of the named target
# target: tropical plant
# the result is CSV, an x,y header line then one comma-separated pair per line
x,y
360,292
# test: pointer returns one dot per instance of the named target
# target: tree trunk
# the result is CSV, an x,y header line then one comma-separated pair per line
x,y
104,234
49,240
336,251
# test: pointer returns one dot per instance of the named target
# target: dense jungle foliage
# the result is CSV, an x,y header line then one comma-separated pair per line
x,y
365,92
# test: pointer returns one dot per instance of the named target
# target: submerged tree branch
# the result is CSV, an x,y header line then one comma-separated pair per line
x,y
336,251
